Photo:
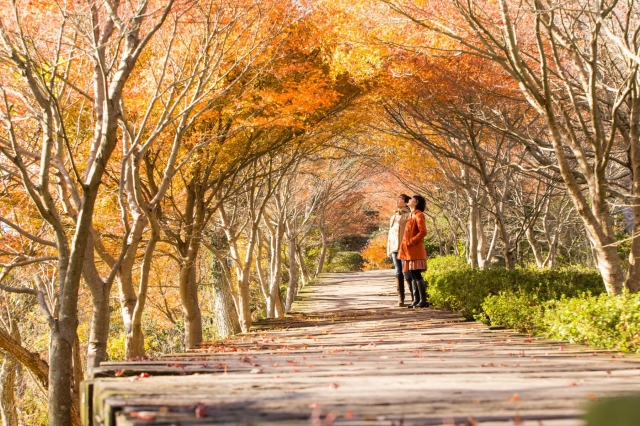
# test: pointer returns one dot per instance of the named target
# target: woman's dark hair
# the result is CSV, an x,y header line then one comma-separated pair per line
x,y
421,202
405,197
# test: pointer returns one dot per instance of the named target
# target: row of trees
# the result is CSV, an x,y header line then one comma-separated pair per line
x,y
143,137
152,136
525,117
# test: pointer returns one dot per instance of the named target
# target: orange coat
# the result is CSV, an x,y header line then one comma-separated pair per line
x,y
412,247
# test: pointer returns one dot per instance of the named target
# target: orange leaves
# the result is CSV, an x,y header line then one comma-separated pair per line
x,y
375,252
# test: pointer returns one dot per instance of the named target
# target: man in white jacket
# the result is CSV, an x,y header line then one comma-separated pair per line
x,y
396,231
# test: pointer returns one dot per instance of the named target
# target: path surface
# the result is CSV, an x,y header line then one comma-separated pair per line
x,y
348,352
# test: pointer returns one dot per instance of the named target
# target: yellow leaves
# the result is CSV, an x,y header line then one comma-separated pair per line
x,y
361,62
375,253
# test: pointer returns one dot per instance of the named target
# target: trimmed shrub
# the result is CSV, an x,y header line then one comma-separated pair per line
x,y
517,310
345,261
566,303
611,322
462,289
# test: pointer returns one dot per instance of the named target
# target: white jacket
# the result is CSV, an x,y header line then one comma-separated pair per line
x,y
396,229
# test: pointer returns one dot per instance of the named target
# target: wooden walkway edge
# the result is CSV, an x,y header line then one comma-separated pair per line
x,y
348,355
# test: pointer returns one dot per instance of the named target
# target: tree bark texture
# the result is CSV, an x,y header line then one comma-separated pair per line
x,y
292,288
226,316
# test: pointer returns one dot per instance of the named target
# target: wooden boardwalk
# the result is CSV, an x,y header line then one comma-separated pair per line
x,y
348,355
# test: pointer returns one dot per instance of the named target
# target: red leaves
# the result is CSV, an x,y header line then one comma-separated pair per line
x,y
143,415
200,410
138,377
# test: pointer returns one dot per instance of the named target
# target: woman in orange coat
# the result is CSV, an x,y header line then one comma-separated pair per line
x,y
412,250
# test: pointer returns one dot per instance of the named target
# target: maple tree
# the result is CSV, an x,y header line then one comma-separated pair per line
x,y
237,143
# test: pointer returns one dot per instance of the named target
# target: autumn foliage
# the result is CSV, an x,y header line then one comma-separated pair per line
x,y
173,170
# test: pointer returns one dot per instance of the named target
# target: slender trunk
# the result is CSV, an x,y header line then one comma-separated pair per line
x,y
304,274
535,247
62,407
78,374
99,331
226,315
264,287
8,374
189,299
274,301
323,252
292,288
550,261
508,251
244,300
633,273
472,257
492,247
483,247
134,346
135,340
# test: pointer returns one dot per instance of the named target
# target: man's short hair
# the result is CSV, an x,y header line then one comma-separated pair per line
x,y
405,197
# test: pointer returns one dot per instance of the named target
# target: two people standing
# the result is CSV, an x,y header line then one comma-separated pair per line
x,y
405,245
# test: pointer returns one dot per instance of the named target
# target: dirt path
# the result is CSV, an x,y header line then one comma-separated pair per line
x,y
347,352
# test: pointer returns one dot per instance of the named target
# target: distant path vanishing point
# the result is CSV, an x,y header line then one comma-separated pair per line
x,y
348,355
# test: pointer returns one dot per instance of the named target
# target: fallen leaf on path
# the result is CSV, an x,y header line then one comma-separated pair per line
x,y
256,371
514,398
201,410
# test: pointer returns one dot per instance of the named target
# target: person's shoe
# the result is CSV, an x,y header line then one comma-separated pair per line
x,y
413,299
414,304
400,290
422,291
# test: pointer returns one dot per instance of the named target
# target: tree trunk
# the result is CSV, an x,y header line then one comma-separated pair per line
x,y
292,288
78,374
244,300
8,374
226,316
472,257
550,261
190,306
483,247
135,340
323,252
62,408
99,331
535,247
633,273
304,274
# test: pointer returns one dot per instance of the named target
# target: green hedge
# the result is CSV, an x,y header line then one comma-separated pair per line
x,y
611,322
345,261
455,286
566,303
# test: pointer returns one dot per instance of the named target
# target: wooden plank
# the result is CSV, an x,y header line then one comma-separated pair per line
x,y
352,353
